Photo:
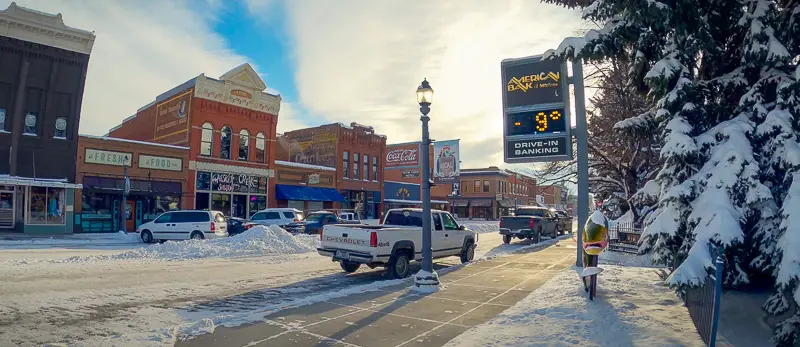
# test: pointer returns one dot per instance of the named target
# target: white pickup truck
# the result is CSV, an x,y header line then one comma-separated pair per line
x,y
396,242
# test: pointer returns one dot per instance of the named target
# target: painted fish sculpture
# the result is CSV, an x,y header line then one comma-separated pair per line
x,y
595,241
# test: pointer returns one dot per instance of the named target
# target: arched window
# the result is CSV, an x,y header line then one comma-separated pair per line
x,y
206,139
261,147
225,143
244,145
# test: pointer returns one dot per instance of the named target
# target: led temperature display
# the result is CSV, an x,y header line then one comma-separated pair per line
x,y
537,122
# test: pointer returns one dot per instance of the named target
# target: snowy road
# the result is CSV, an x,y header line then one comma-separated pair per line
x,y
64,295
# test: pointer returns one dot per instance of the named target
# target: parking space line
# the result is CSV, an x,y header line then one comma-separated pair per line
x,y
449,299
476,286
402,316
488,301
301,330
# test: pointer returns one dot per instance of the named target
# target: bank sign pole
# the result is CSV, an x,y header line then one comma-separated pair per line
x,y
536,120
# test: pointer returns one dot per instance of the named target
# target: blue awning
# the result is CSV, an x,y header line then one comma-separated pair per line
x,y
303,193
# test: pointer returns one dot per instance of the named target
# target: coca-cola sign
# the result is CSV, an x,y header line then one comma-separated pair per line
x,y
402,156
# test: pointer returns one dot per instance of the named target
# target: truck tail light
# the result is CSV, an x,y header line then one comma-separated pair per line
x,y
213,226
373,239
501,222
296,220
531,224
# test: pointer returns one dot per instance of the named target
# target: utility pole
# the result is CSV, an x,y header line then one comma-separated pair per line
x,y
126,186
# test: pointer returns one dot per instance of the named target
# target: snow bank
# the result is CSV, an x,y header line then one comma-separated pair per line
x,y
71,240
257,241
633,308
482,226
619,258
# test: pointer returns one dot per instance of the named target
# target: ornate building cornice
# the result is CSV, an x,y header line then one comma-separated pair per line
x,y
43,28
239,87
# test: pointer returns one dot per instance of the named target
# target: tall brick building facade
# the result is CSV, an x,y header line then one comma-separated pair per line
x,y
354,151
489,193
229,123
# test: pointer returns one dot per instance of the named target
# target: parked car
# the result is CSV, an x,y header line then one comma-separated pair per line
x,y
184,225
277,216
239,225
396,242
563,221
314,222
349,216
529,222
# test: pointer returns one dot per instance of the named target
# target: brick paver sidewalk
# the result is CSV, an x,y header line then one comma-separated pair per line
x,y
396,316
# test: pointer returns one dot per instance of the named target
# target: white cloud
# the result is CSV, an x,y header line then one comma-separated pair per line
x,y
362,61
143,48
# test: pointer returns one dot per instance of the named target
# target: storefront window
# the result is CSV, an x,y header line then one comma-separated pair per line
x,y
46,205
345,164
203,180
355,166
222,203
366,167
375,169
257,203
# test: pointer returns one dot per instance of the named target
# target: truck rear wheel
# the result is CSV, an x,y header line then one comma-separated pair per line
x,y
506,239
399,265
468,253
349,266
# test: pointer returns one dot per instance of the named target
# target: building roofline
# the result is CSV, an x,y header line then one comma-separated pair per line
x,y
45,28
107,138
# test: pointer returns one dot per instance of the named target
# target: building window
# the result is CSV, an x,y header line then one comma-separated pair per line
x,y
46,205
30,124
375,169
206,139
346,164
61,128
244,145
2,119
355,166
477,187
261,148
366,167
225,143
499,186
485,186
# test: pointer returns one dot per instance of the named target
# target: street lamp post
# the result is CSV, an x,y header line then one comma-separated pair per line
x,y
427,279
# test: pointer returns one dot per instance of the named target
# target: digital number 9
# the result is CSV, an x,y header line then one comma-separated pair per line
x,y
541,122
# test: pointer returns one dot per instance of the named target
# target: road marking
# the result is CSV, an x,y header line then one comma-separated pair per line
x,y
402,316
488,301
448,299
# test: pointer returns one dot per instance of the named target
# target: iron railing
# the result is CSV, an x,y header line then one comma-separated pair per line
x,y
703,303
624,237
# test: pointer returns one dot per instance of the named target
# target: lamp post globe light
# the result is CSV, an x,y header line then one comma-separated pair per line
x,y
426,280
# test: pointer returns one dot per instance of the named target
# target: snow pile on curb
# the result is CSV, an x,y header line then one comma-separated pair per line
x,y
482,227
257,241
625,259
117,238
632,308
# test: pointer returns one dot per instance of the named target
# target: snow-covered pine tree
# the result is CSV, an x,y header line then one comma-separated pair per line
x,y
724,75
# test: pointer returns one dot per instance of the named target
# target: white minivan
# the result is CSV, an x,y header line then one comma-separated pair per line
x,y
277,216
184,225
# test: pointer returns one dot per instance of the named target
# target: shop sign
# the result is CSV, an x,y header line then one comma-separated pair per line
x,y
446,163
96,156
233,183
241,93
172,116
540,149
410,174
313,179
160,163
402,156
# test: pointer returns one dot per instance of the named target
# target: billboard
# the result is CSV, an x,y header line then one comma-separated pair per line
x,y
402,156
446,164
536,122
316,146
172,118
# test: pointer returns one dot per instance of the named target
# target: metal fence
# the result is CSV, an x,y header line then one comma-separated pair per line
x,y
624,237
703,304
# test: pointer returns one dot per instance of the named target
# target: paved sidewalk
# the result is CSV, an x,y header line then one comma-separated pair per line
x,y
396,316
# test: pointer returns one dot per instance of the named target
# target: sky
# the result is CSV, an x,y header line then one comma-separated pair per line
x,y
331,61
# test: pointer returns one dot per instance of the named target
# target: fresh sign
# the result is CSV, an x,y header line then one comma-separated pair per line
x,y
95,156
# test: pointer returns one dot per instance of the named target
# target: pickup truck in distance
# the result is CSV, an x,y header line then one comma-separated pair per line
x,y
396,242
529,222
314,222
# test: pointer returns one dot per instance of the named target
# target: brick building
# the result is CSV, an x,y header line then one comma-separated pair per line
x,y
489,193
43,66
553,196
306,187
229,123
356,153
403,174
158,176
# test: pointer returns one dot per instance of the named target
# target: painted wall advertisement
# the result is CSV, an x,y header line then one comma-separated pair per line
x,y
172,118
402,156
317,147
446,164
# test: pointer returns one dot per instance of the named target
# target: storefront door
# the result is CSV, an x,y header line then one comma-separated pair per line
x,y
239,206
130,213
7,208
